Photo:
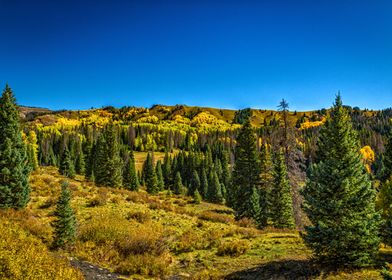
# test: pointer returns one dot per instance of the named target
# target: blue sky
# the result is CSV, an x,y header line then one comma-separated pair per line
x,y
232,54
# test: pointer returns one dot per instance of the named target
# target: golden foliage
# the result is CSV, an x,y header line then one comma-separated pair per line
x,y
307,124
368,157
25,257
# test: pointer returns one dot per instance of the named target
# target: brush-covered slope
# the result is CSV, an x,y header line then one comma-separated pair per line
x,y
155,237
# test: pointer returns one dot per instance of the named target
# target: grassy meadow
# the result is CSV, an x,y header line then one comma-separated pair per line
x,y
140,236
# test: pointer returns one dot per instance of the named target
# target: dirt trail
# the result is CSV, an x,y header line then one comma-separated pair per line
x,y
93,272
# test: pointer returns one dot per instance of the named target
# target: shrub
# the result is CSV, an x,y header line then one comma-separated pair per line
x,y
189,241
25,257
48,203
207,275
154,266
246,223
122,243
141,217
215,217
100,199
233,248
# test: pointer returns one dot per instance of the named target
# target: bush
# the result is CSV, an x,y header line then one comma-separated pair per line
x,y
233,248
25,257
154,266
141,217
215,217
122,243
48,203
246,223
100,199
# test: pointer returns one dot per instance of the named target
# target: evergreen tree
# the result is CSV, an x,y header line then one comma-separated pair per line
x,y
197,197
161,181
203,184
65,223
80,165
178,187
195,183
113,163
130,178
339,198
384,205
214,191
226,176
254,210
166,170
90,149
281,200
107,162
386,171
150,176
98,161
14,167
67,167
246,174
266,179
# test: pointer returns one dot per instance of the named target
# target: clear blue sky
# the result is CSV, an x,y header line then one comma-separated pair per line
x,y
233,54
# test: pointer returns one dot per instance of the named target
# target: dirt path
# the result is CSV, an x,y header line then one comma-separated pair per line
x,y
93,272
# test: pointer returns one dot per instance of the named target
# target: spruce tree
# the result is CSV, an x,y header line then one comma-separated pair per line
x,y
281,200
98,161
166,170
246,174
339,198
161,181
195,183
386,172
178,187
384,205
150,176
266,179
80,164
130,178
197,197
214,191
203,183
67,167
14,167
90,149
65,223
108,165
113,163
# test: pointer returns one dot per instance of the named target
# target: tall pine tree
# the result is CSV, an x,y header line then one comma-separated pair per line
x,y
339,198
67,167
107,162
130,178
14,165
178,187
266,179
386,172
65,222
214,189
281,200
246,175
150,175
161,180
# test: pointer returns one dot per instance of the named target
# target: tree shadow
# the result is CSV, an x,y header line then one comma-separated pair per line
x,y
291,269
284,269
